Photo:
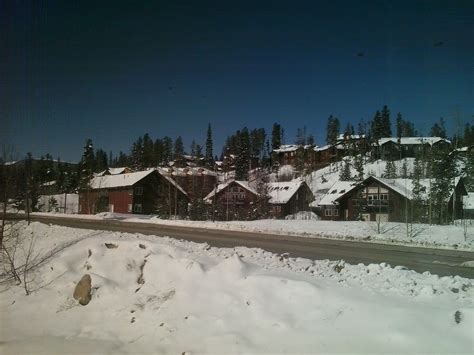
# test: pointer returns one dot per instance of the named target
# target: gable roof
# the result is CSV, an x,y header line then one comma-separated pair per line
x,y
121,180
282,192
413,140
403,187
337,189
220,187
130,179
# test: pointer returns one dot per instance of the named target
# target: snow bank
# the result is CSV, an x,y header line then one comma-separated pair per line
x,y
160,295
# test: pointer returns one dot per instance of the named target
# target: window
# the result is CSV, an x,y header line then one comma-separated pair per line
x,y
130,191
328,212
138,191
336,212
137,208
129,209
277,208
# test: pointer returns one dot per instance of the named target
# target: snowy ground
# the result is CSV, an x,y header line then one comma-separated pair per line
x,y
449,236
197,299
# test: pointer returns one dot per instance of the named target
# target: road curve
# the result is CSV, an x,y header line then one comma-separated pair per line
x,y
437,261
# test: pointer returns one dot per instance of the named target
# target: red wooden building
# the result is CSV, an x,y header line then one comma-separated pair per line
x,y
141,192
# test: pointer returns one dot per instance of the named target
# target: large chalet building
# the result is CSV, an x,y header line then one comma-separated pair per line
x,y
407,147
381,199
237,199
141,192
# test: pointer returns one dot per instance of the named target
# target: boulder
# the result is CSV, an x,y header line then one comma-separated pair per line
x,y
82,292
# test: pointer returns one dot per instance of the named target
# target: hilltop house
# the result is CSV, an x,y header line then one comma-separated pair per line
x,y
406,147
115,171
142,192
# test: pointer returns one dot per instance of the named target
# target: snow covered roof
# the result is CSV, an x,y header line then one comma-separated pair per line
x,y
130,179
113,171
405,186
282,192
319,149
220,187
337,190
122,180
49,183
116,171
413,140
189,170
287,148
469,201
343,136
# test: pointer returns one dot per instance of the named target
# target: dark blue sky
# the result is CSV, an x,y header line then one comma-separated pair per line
x,y
112,71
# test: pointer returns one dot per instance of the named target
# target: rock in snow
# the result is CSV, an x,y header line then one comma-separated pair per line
x,y
82,292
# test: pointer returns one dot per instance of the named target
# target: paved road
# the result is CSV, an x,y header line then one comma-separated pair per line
x,y
436,261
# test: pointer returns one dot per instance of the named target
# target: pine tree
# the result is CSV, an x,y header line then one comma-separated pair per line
x,y
178,148
386,125
443,172
276,136
376,131
390,170
148,152
209,160
359,167
332,130
345,174
438,129
243,156
87,171
417,190
167,150
404,169
137,154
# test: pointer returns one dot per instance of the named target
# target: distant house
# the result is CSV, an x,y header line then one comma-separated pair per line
x,y
388,199
328,208
407,147
140,192
286,154
288,198
325,155
115,171
232,200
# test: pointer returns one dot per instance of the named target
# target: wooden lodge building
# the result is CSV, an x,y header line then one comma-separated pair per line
x,y
381,199
288,198
236,199
197,182
141,192
233,200
406,147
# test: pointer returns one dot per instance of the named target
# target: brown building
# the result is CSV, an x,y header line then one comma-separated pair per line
x,y
289,197
407,147
328,208
197,182
387,200
233,200
141,192
323,156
